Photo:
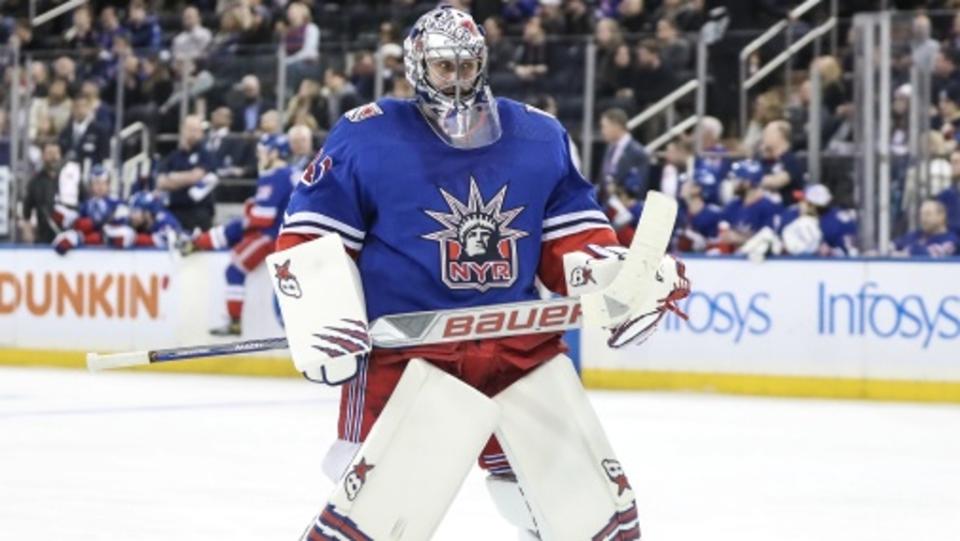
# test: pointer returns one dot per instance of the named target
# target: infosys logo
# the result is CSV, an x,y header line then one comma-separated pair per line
x,y
724,313
868,312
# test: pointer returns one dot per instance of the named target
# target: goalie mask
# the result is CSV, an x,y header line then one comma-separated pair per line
x,y
445,58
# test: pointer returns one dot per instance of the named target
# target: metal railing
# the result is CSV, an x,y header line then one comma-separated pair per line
x,y
664,104
52,13
791,49
128,171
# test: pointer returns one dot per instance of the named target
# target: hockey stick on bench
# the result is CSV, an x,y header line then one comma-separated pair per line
x,y
606,308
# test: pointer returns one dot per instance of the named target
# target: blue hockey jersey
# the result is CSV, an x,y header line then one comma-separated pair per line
x,y
436,227
273,193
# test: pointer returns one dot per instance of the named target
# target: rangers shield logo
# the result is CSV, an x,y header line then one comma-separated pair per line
x,y
478,249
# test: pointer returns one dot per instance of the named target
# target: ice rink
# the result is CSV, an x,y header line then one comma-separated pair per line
x,y
136,456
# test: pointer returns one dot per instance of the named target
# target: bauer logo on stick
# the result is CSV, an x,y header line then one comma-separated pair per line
x,y
478,248
354,480
286,281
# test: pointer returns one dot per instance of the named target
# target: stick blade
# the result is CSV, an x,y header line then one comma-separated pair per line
x,y
614,303
97,362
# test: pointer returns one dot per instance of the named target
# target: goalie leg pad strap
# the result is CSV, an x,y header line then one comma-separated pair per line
x,y
405,475
575,487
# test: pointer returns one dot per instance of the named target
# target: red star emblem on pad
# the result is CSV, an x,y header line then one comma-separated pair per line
x,y
362,468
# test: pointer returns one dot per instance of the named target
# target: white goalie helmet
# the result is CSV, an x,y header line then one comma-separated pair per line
x,y
445,58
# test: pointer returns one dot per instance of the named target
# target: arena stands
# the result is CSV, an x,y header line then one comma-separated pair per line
x,y
104,69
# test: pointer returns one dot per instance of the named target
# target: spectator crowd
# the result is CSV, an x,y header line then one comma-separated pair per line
x,y
202,78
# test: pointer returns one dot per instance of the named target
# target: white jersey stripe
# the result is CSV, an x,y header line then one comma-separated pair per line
x,y
321,219
556,234
574,216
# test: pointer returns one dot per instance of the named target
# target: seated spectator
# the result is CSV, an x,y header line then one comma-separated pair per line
x,y
146,224
256,21
616,78
783,172
608,37
192,42
307,105
674,49
767,107
579,22
499,51
652,80
715,157
111,62
102,113
188,176
65,68
38,224
146,36
270,123
232,155
301,40
56,107
750,212
340,94
246,113
632,16
531,60
814,227
85,225
109,28
227,39
949,108
81,35
950,197
552,17
301,149
625,162
84,140
933,239
699,220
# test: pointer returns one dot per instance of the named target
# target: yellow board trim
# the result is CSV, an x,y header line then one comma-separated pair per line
x,y
633,380
237,365
769,385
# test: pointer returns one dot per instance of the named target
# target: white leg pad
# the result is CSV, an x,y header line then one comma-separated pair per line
x,y
413,462
510,502
570,478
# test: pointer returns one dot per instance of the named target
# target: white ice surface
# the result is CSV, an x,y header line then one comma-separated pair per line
x,y
170,457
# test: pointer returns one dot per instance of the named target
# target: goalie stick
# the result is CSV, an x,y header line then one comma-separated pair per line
x,y
393,331
608,308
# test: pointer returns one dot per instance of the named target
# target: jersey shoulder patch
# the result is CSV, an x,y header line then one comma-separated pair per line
x,y
359,114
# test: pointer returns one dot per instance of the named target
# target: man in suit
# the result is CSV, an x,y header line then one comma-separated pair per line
x,y
233,155
83,138
246,113
626,163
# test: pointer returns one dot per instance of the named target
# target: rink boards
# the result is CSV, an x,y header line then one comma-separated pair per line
x,y
887,329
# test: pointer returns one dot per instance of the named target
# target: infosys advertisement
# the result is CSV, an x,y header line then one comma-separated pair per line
x,y
880,319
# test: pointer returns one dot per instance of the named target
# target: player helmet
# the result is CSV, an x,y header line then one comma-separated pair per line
x,y
145,202
748,170
445,59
